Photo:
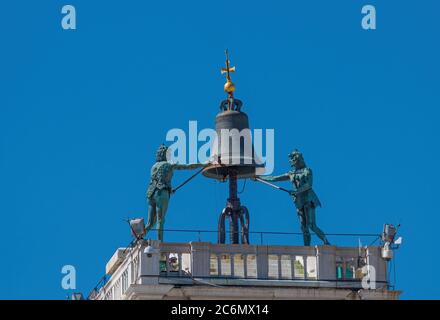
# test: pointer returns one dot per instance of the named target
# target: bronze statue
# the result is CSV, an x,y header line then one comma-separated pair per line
x,y
159,189
304,197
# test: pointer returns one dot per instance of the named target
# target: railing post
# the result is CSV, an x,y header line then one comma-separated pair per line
x,y
262,262
326,262
200,259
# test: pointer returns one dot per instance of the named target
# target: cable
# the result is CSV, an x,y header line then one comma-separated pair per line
x,y
378,237
244,186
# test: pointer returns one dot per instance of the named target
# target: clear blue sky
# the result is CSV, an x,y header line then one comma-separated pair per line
x,y
82,113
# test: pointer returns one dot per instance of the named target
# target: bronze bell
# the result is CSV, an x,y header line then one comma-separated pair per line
x,y
233,148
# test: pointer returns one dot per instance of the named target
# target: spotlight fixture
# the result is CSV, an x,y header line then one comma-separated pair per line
x,y
137,227
389,232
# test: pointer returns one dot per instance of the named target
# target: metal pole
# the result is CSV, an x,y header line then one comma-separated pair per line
x,y
234,203
272,185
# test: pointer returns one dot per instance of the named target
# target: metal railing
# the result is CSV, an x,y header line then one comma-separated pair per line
x,y
256,237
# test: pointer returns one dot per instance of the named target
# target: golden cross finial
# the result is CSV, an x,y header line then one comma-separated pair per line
x,y
229,86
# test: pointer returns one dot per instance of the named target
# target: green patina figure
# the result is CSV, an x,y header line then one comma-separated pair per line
x,y
304,197
159,189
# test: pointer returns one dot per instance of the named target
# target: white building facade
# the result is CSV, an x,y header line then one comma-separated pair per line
x,y
201,270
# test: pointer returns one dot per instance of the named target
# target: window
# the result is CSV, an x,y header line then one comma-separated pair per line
x,y
186,263
117,289
163,262
225,262
124,281
109,295
273,266
251,264
213,265
286,267
339,269
239,265
173,263
298,266
346,269
349,271
311,268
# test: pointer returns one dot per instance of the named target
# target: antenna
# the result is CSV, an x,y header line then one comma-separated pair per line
x,y
361,262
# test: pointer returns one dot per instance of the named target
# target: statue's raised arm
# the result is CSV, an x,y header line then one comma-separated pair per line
x,y
283,177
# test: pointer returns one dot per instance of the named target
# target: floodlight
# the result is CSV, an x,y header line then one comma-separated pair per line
x,y
386,252
137,227
398,241
389,232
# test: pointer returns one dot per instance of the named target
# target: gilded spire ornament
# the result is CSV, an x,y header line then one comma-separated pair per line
x,y
229,86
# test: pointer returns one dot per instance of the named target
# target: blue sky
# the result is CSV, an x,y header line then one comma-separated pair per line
x,y
82,113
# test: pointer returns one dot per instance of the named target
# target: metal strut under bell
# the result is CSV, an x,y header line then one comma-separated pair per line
x,y
237,215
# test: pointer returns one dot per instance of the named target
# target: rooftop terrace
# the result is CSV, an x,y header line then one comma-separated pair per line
x,y
152,269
